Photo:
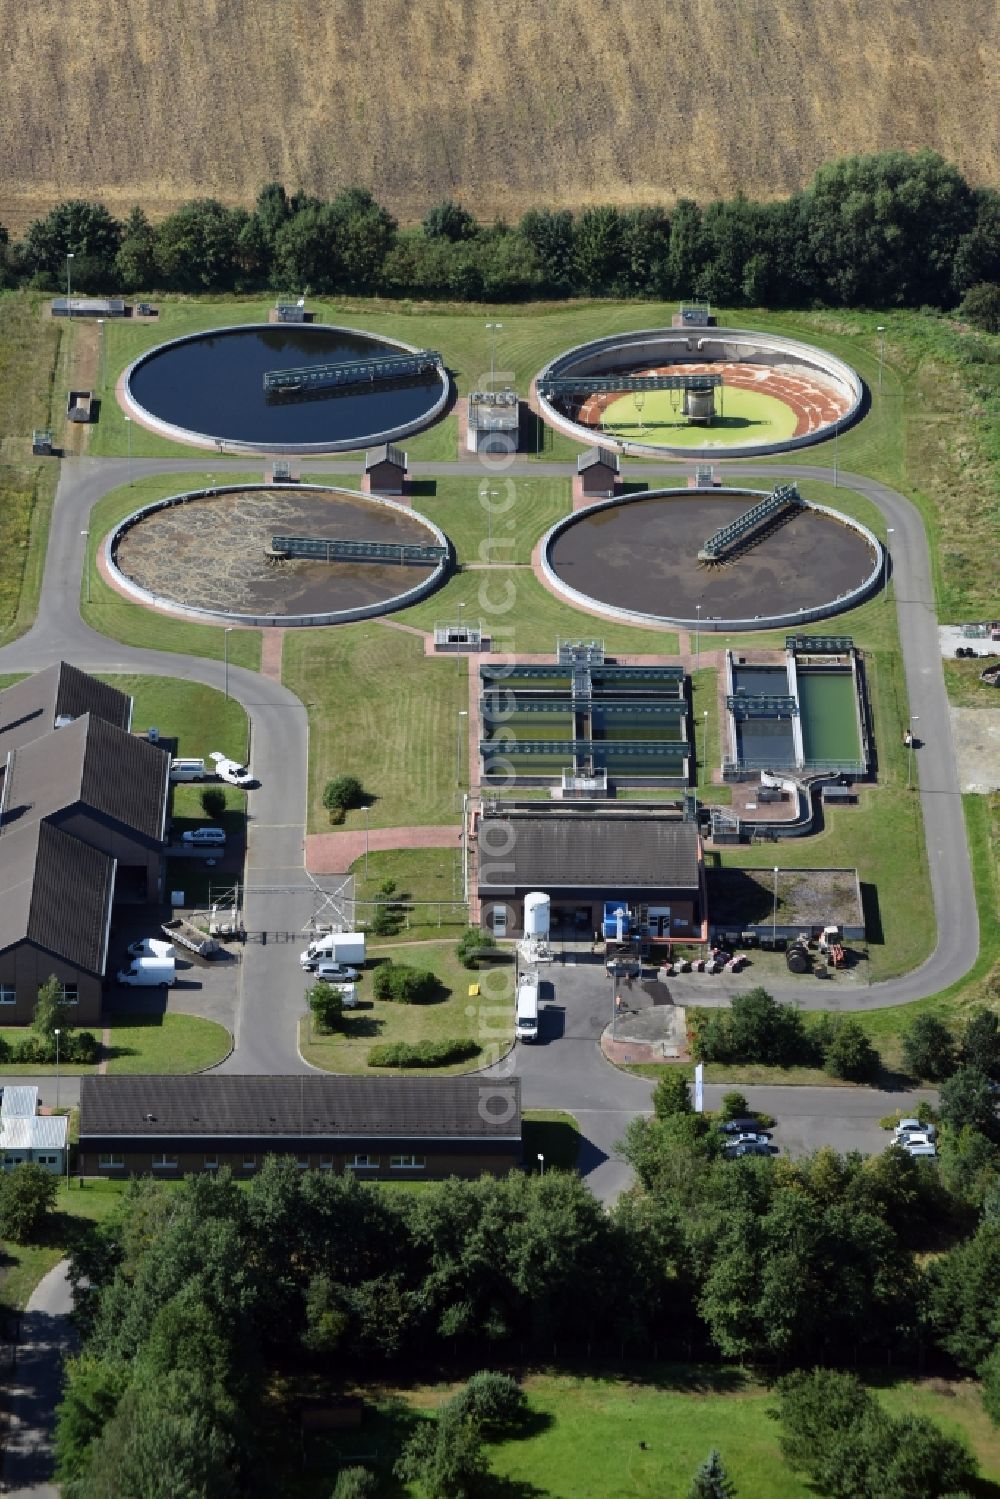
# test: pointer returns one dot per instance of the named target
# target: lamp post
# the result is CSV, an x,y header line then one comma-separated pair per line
x,y
86,562
366,809
541,1164
57,1034
69,285
697,634
880,330
462,713
704,747
458,643
493,329
128,430
225,655
909,750
774,910
489,495
102,363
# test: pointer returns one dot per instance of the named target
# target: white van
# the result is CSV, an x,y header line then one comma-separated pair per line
x,y
187,770
214,837
526,1016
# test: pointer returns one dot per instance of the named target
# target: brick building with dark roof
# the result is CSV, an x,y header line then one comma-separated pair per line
x,y
584,857
378,1128
83,806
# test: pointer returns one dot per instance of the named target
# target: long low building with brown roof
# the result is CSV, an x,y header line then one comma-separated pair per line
x,y
377,1128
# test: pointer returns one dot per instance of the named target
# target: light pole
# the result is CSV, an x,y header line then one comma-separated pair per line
x,y
366,809
462,713
86,561
69,285
225,655
774,911
493,329
102,362
541,1164
458,643
489,495
704,747
697,635
880,330
128,430
909,750
57,1033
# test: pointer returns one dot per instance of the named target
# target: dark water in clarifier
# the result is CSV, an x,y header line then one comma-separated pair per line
x,y
214,385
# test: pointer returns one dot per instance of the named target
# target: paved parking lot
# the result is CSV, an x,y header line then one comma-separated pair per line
x,y
209,988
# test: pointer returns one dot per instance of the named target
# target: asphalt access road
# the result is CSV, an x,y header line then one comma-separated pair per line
x,y
45,1339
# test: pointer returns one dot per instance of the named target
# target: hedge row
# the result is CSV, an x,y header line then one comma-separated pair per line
x,y
422,1053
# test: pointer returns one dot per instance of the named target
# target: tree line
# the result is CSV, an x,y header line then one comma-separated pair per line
x,y
887,230
192,1299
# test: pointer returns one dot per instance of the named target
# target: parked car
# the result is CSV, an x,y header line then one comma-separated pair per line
x,y
331,973
230,771
907,1127
921,1148
746,1126
151,947
746,1147
749,1139
206,837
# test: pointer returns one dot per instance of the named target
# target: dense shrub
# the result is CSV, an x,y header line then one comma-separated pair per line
x,y
405,985
492,1401
213,802
755,1029
472,944
928,1048
422,1053
850,1055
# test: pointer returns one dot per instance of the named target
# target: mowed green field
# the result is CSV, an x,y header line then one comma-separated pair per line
x,y
743,416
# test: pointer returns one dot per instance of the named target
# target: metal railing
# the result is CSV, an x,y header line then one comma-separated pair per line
x,y
785,497
359,551
354,372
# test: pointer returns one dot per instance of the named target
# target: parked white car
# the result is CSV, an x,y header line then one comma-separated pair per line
x,y
916,1147
907,1127
230,771
151,947
205,837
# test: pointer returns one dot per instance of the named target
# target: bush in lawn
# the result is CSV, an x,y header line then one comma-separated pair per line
x,y
472,944
386,920
422,1053
734,1106
405,985
34,1051
710,1481
756,1029
671,1094
928,1048
27,1196
850,1054
355,1483
213,802
492,1401
327,1006
82,1047
341,794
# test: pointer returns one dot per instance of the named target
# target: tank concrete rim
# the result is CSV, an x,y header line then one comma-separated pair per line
x,y
767,343
161,602
711,624
193,439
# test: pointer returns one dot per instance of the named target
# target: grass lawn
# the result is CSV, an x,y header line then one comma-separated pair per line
x,y
199,718
380,711
421,874
487,1017
141,1043
965,690
553,1134
583,1437
509,513
166,1043
122,619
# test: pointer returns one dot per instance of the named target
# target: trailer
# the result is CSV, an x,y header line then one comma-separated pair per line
x,y
182,931
79,405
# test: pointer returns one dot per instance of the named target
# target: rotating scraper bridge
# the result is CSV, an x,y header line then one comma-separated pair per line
x,y
331,378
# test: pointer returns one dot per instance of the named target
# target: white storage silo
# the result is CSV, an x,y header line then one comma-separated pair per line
x,y
537,910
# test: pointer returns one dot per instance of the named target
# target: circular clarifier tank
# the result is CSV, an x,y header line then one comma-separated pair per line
x,y
208,389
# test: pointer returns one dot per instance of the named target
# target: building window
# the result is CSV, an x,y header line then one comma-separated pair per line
x,y
47,1160
211,1163
70,994
363,1163
407,1163
111,1162
164,1162
249,1163
8,994
303,1163
326,1163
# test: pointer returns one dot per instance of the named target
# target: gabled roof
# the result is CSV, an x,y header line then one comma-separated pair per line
x,y
93,763
594,456
30,708
55,892
41,1132
384,453
19,1103
610,851
224,1104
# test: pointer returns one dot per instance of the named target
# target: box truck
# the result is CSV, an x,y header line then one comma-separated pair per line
x,y
526,1018
148,973
334,947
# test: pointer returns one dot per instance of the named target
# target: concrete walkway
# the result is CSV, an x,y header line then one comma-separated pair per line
x,y
47,1337
334,853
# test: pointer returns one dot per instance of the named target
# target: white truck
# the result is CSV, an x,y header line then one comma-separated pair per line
x,y
148,973
526,1016
334,947
187,770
